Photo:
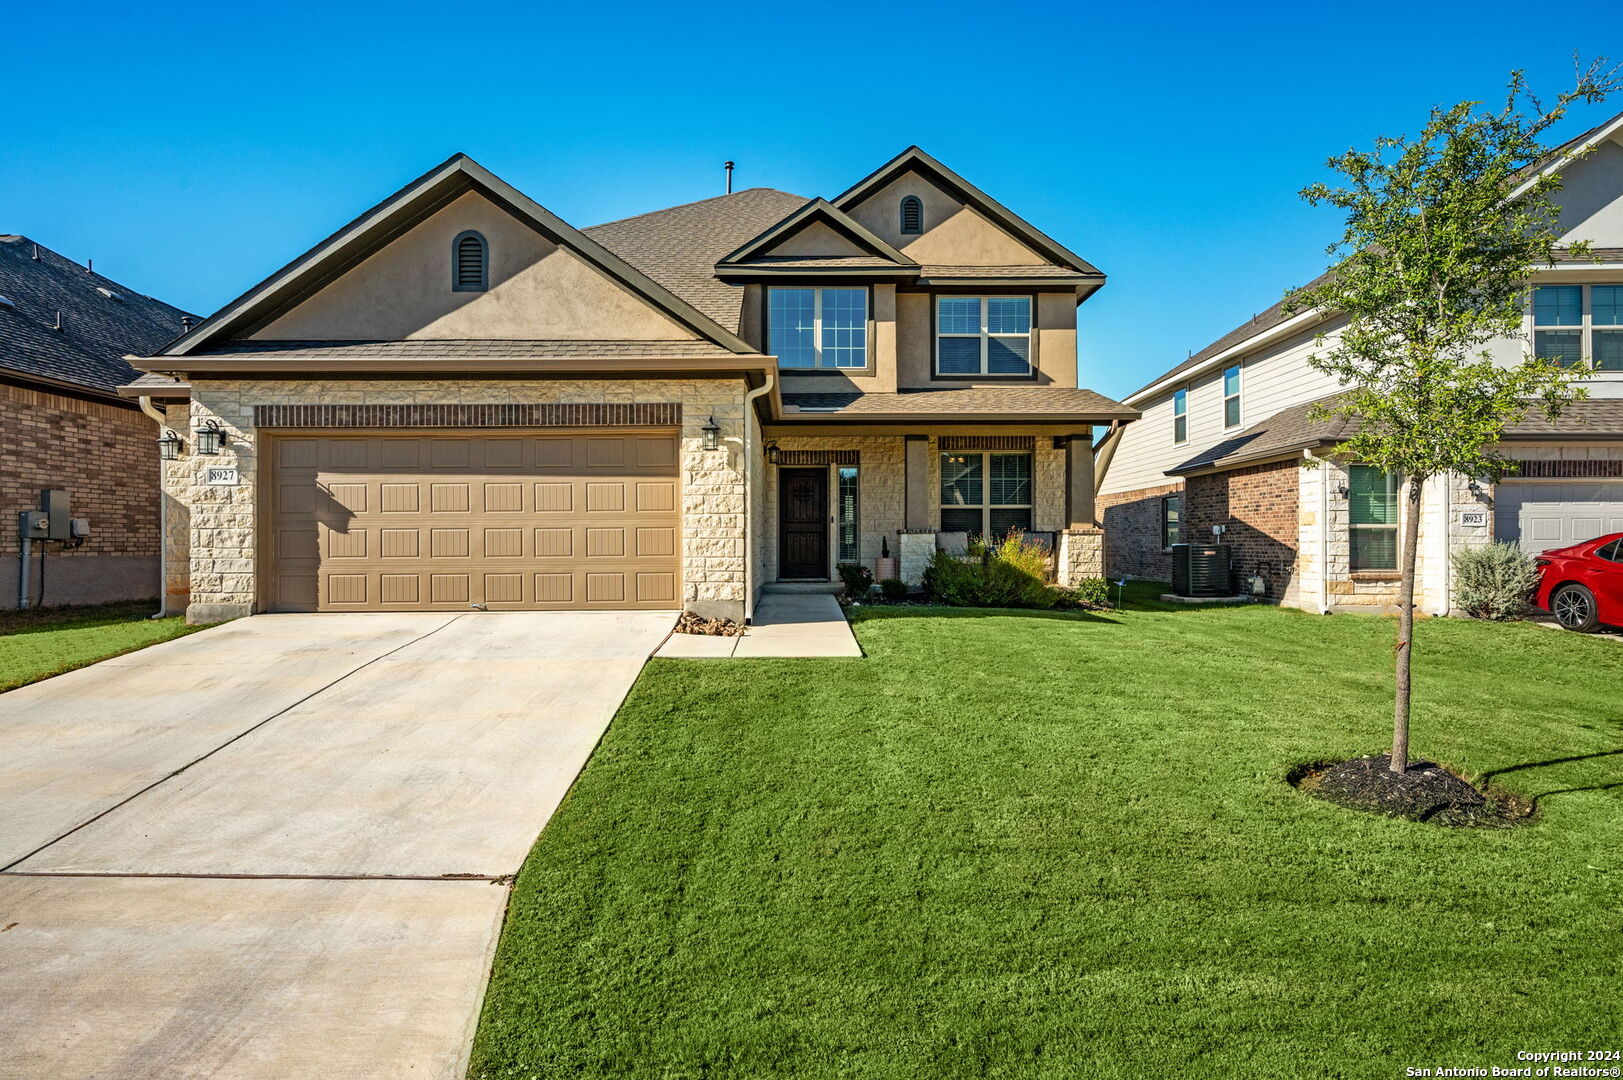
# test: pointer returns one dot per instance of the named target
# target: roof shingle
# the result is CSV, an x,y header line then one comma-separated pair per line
x,y
101,319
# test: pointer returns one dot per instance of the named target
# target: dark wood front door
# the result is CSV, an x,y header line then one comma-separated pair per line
x,y
803,523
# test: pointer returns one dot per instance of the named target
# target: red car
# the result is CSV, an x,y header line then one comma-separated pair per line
x,y
1582,585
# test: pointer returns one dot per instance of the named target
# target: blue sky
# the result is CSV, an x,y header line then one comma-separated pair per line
x,y
190,149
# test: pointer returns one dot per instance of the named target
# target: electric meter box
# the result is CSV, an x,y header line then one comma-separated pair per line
x,y
59,518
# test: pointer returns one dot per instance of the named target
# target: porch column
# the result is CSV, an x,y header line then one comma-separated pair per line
x,y
1081,554
917,468
1079,512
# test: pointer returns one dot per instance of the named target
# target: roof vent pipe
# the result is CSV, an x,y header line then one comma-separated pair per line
x,y
185,323
728,166
36,253
90,266
58,319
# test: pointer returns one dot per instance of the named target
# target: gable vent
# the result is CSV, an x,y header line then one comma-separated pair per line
x,y
469,263
912,215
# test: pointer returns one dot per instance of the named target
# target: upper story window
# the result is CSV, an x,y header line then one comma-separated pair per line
x,y
1575,322
818,328
983,335
912,215
470,263
1180,416
1231,397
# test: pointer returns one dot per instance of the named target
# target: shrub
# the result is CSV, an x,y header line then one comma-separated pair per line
x,y
858,579
1494,582
1091,593
1010,573
893,588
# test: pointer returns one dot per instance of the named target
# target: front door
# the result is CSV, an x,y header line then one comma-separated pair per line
x,y
803,523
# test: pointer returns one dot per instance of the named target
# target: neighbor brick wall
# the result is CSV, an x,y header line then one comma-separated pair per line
x,y
1132,524
1260,506
103,455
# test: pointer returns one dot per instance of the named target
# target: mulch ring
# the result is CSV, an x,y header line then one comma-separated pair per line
x,y
1425,791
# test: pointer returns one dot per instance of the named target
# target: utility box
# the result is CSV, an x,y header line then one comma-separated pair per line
x,y
58,515
32,524
1201,570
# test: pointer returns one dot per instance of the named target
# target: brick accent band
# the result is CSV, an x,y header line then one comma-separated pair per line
x,y
1553,470
818,457
988,442
584,415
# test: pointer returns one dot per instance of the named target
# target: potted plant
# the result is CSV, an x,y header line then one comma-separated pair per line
x,y
885,566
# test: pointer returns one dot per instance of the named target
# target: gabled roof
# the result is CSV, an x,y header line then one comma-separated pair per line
x,y
678,247
915,160
755,256
407,207
101,320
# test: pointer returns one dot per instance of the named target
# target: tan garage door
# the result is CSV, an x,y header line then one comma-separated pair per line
x,y
445,522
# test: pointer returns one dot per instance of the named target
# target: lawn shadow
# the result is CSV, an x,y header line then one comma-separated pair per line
x,y
87,616
1538,799
914,611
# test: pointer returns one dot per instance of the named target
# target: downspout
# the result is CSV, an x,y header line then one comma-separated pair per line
x,y
162,419
749,502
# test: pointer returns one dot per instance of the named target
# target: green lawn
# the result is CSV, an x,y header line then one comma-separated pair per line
x,y
35,645
1044,845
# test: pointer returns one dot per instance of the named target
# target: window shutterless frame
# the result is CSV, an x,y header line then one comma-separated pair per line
x,y
1171,519
986,492
984,336
1578,325
1180,416
1231,397
1373,509
838,321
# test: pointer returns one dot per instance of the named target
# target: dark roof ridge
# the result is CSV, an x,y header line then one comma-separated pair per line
x,y
695,202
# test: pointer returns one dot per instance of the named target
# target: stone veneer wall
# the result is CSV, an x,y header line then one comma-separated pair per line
x,y
882,486
105,456
1132,520
1258,505
223,535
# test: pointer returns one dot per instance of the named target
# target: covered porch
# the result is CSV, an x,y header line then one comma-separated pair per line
x,y
888,496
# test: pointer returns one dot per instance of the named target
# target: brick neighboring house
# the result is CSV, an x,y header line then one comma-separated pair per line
x,y
1226,438
460,400
64,331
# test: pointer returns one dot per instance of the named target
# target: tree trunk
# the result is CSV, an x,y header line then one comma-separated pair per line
x,y
1408,557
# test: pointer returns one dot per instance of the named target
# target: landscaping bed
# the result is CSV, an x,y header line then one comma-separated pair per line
x,y
1057,844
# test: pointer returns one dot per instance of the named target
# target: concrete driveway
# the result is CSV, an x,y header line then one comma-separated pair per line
x,y
280,848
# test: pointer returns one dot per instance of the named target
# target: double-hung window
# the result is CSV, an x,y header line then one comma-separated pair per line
x,y
818,328
1180,416
983,335
1372,515
985,494
1171,520
1231,397
1574,322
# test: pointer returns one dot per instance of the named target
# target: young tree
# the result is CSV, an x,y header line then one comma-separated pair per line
x,y
1444,233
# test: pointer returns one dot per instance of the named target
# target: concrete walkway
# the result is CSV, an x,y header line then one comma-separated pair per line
x,y
785,625
280,848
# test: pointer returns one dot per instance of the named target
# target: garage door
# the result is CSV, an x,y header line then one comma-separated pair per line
x,y
1554,514
445,522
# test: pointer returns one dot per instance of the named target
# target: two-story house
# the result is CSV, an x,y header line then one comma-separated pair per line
x,y
1226,439
459,400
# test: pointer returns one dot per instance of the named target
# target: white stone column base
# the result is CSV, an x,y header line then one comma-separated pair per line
x,y
1081,556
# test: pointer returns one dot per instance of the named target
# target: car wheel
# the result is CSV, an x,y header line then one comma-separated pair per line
x,y
1574,608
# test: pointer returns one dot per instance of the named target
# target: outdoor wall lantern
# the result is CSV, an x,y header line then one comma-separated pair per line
x,y
210,437
168,445
712,434
1341,489
1476,488
772,453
